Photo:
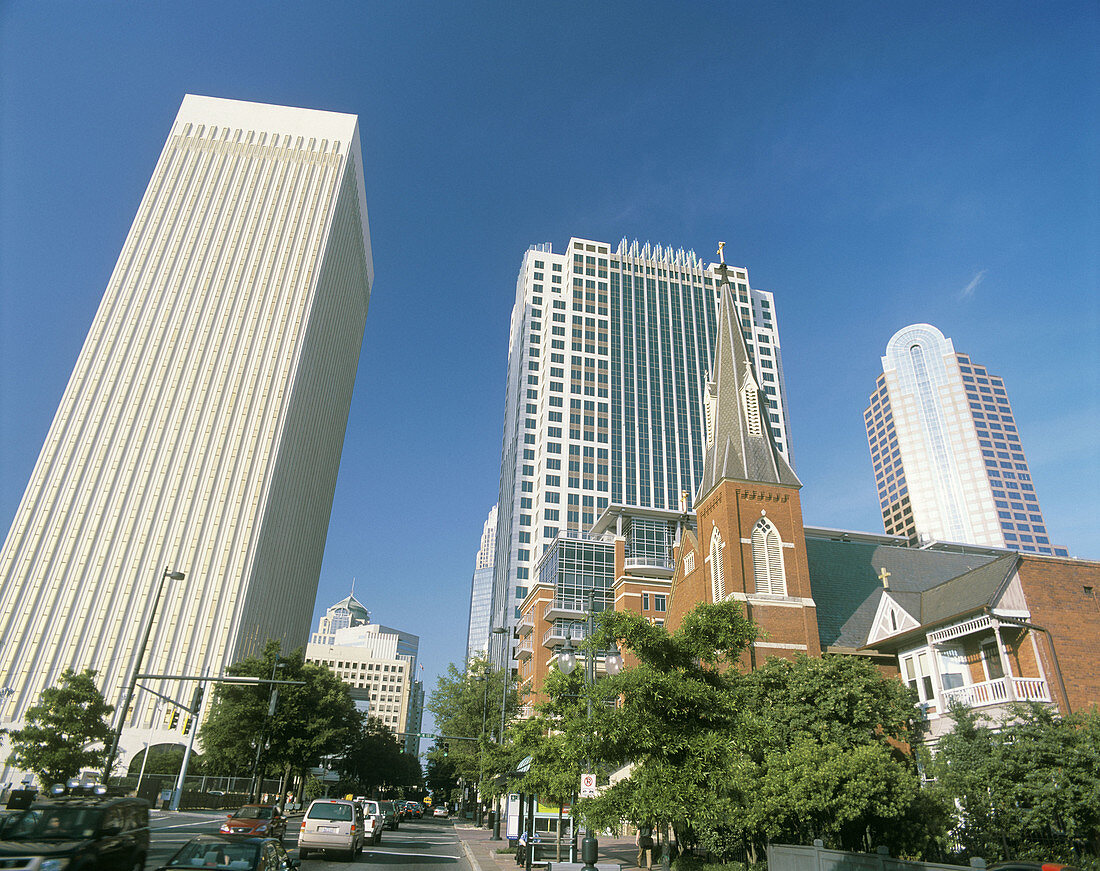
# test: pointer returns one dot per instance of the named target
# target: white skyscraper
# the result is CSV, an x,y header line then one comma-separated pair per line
x,y
609,353
202,427
481,592
947,457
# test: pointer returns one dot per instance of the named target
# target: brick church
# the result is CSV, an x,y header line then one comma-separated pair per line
x,y
981,625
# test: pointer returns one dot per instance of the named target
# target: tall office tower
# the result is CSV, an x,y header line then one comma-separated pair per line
x,y
609,352
481,592
377,663
947,457
202,427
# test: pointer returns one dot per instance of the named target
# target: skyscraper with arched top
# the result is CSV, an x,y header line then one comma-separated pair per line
x,y
947,456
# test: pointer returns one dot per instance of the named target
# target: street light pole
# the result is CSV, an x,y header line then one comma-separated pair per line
x,y
140,655
567,661
500,630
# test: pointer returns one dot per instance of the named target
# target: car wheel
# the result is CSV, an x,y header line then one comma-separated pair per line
x,y
303,853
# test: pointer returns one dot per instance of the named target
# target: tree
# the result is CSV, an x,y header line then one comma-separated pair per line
x,y
673,720
823,745
374,760
1028,786
463,703
315,720
66,731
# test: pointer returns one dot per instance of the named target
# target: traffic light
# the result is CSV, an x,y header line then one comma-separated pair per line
x,y
196,699
446,749
175,719
186,724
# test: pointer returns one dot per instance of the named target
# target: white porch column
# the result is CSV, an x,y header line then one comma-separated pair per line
x,y
1006,667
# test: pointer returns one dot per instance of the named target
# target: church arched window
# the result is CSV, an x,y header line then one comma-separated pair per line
x,y
717,576
767,559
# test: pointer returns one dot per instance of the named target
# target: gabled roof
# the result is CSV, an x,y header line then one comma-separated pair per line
x,y
977,589
846,583
352,604
741,447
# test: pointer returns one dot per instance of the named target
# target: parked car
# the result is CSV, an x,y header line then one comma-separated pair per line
x,y
219,851
77,831
332,824
440,811
373,820
256,821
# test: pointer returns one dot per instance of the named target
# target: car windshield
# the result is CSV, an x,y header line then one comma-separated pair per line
x,y
328,810
252,812
206,855
50,824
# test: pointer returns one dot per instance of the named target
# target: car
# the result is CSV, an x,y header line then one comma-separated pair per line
x,y
440,811
332,824
392,814
373,819
415,809
239,854
79,829
256,821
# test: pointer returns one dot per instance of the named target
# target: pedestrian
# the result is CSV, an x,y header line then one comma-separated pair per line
x,y
644,840
521,849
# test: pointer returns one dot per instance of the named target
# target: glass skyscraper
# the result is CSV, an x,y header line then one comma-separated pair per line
x,y
481,590
609,353
947,457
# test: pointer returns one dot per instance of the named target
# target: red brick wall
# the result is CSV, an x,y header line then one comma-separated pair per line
x,y
1058,601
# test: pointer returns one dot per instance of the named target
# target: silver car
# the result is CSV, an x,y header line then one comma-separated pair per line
x,y
332,824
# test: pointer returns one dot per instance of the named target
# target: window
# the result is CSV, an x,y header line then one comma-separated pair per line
x,y
767,559
918,675
991,660
952,667
717,577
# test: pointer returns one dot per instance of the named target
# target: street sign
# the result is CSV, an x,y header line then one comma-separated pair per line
x,y
588,786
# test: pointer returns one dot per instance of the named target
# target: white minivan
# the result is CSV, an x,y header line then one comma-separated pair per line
x,y
332,824
372,820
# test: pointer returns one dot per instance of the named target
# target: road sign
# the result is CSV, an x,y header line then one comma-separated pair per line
x,y
588,786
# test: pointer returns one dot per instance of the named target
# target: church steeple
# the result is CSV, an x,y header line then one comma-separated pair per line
x,y
739,443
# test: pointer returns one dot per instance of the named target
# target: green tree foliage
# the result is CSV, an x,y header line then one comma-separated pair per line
x,y
466,704
312,721
374,762
673,722
816,759
66,731
1027,787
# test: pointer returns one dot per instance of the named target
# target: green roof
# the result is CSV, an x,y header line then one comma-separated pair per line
x,y
846,584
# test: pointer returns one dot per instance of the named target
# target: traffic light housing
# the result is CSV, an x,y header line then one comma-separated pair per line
x,y
446,749
187,724
196,699
175,719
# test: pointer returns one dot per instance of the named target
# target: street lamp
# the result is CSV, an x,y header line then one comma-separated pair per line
x,y
567,662
136,668
484,678
500,630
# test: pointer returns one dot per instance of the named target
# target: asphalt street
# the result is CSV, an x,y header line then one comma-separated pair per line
x,y
429,844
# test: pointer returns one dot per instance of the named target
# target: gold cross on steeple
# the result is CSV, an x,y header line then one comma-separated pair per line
x,y
883,575
722,253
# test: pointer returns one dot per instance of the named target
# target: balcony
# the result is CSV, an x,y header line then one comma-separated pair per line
x,y
523,649
526,625
650,566
995,692
555,636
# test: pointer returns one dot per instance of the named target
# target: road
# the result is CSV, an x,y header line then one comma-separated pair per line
x,y
430,845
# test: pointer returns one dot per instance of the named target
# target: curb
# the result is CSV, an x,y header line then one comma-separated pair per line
x,y
470,855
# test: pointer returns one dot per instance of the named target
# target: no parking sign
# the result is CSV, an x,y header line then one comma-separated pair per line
x,y
588,786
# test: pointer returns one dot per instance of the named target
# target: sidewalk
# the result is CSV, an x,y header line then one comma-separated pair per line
x,y
483,855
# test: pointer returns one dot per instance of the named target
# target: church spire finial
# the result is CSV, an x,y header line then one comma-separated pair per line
x,y
722,252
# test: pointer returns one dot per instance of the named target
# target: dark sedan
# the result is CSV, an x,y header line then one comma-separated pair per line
x,y
239,854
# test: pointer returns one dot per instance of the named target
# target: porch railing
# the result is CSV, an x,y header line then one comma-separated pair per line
x,y
995,692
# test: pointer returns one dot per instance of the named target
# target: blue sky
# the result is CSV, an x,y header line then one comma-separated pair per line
x,y
872,164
